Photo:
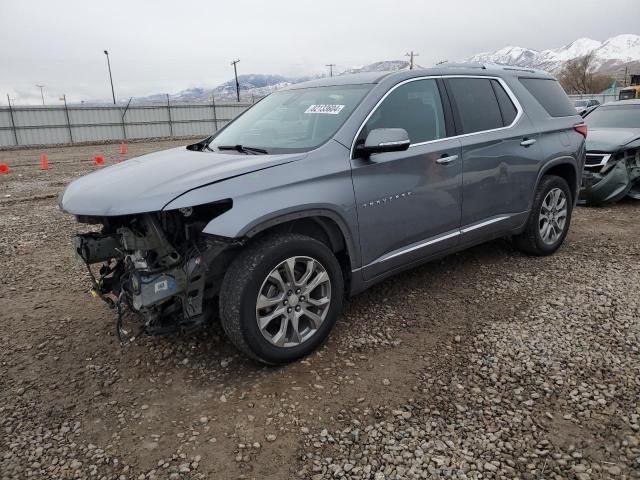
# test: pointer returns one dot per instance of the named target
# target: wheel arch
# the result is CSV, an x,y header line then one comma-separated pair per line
x,y
566,168
322,224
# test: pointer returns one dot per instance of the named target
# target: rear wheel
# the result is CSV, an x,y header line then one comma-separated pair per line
x,y
550,218
280,297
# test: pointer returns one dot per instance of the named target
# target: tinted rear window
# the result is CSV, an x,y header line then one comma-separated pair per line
x,y
476,103
550,95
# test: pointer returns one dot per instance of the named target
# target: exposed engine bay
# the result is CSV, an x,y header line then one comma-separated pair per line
x,y
157,268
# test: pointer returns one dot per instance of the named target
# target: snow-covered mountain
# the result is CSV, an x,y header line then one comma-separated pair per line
x,y
254,86
385,66
251,85
609,55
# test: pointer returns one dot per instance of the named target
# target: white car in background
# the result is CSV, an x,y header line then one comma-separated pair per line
x,y
585,104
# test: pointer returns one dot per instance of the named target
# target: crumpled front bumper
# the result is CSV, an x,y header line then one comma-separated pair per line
x,y
610,187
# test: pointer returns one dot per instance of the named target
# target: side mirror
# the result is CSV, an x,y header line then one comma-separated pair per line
x,y
381,140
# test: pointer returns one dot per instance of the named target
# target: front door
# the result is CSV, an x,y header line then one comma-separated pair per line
x,y
408,203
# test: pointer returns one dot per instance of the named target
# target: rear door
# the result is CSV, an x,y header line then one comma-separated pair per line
x,y
500,155
409,202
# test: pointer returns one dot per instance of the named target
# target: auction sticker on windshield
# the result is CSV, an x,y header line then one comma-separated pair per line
x,y
328,109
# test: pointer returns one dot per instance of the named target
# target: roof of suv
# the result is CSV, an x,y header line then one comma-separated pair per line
x,y
451,69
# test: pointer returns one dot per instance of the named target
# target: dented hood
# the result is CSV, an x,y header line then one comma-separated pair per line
x,y
610,139
149,182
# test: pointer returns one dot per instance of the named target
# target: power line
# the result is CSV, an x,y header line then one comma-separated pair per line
x,y
330,65
411,55
235,71
441,62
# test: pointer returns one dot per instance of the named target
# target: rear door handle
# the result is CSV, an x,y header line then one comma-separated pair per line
x,y
447,159
527,142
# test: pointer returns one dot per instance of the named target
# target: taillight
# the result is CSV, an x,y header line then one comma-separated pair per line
x,y
581,128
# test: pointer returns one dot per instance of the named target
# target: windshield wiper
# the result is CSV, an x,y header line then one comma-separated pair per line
x,y
242,149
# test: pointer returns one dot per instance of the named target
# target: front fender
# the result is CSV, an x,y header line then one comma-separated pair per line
x,y
319,185
608,188
295,213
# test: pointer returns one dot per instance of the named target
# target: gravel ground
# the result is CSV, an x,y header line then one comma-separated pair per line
x,y
487,364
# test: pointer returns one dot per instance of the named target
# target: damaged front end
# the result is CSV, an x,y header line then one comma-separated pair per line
x,y
609,177
157,270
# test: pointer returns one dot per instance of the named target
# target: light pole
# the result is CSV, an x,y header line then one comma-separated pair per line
x,y
235,71
41,92
110,77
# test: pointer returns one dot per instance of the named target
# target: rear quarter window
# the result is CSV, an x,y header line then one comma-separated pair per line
x,y
507,108
550,96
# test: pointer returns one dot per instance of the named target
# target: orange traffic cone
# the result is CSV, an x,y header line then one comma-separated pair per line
x,y
99,160
4,168
44,163
123,149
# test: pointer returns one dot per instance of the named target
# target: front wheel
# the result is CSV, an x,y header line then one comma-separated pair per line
x,y
280,297
550,218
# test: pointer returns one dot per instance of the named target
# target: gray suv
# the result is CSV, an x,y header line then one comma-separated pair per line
x,y
321,190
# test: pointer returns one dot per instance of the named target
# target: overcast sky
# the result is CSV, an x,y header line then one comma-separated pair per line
x,y
165,46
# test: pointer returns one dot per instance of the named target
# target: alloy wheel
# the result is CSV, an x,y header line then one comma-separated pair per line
x,y
293,301
553,216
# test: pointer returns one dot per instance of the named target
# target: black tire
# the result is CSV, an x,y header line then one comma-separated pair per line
x,y
530,240
243,281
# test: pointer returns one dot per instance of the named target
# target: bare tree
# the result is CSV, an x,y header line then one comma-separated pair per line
x,y
578,76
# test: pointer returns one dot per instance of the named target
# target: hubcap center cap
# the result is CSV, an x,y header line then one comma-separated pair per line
x,y
294,300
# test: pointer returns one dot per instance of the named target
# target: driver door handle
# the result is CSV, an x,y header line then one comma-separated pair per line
x,y
446,159
527,142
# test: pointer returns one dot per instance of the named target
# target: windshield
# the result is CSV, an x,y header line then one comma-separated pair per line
x,y
580,103
292,120
619,116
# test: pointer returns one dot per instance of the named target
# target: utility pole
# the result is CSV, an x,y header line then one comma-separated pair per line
x,y
330,65
41,94
624,82
411,55
235,71
113,93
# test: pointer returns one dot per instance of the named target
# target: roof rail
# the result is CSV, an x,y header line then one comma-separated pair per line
x,y
486,66
514,68
521,69
463,65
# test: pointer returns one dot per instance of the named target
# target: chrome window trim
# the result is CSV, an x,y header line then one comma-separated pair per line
x,y
501,81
